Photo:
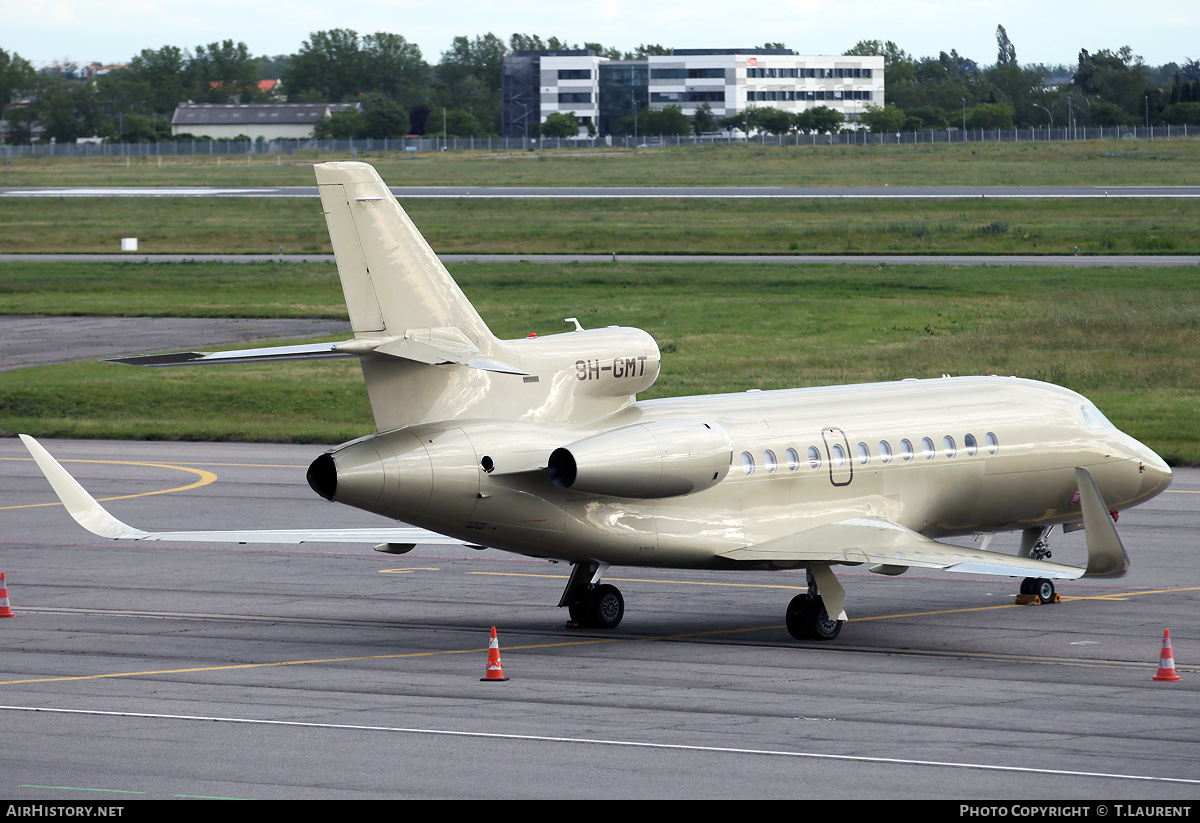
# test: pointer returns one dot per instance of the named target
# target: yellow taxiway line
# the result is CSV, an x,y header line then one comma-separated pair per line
x,y
204,478
598,641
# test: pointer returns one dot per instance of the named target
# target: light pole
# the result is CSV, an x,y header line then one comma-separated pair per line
x,y
964,102
1043,108
1089,109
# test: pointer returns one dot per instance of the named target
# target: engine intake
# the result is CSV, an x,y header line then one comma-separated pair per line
x,y
322,476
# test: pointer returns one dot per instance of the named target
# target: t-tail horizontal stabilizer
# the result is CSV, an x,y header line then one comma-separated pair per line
x,y
417,346
97,520
271,354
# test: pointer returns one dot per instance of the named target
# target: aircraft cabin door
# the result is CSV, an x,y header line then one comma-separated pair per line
x,y
837,451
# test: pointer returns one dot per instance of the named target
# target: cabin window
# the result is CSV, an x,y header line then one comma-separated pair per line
x,y
864,454
906,449
747,463
949,446
838,455
769,461
885,451
971,445
993,445
814,457
927,448
793,460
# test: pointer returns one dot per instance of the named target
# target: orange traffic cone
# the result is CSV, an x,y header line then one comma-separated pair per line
x,y
5,611
1166,662
495,671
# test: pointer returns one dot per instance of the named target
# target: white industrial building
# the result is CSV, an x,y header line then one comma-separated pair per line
x,y
270,121
598,90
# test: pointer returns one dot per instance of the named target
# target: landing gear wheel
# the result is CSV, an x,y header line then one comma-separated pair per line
x,y
817,621
604,607
1027,585
1044,589
578,612
795,617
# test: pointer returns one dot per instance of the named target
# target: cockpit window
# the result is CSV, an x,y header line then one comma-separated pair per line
x,y
1094,419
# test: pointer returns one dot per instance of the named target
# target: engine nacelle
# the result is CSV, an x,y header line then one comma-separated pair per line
x,y
389,474
665,458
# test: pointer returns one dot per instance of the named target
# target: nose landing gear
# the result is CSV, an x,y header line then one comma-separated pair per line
x,y
1035,544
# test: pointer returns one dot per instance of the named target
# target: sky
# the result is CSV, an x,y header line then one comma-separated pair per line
x,y
1043,31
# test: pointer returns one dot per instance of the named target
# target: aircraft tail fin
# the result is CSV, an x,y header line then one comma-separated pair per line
x,y
397,290
426,354
392,279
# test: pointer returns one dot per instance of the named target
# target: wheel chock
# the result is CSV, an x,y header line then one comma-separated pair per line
x,y
1034,600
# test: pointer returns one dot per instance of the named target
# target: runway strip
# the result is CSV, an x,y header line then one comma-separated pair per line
x,y
595,741
958,654
1065,260
636,192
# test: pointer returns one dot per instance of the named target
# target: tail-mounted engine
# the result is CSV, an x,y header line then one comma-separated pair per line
x,y
665,458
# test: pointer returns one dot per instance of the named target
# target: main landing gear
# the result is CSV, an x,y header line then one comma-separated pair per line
x,y
1039,587
591,604
807,617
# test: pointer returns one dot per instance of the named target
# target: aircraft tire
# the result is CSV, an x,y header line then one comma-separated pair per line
x,y
817,621
605,607
1027,585
1044,589
795,617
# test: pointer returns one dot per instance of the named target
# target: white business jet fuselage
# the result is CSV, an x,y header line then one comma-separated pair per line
x,y
941,457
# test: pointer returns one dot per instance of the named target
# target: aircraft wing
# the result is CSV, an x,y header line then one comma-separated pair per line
x,y
96,519
891,547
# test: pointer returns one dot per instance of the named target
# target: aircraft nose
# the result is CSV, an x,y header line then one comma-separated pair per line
x,y
1155,473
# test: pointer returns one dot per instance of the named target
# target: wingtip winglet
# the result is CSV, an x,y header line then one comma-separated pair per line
x,y
84,508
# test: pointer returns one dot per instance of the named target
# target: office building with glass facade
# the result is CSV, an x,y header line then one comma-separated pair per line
x,y
600,91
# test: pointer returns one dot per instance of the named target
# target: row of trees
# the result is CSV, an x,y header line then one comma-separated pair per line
x,y
400,91
134,103
1104,88
388,75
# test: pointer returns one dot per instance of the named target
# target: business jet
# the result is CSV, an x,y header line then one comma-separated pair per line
x,y
539,446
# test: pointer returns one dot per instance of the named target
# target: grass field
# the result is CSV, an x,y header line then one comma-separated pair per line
x,y
1127,338
1094,162
529,226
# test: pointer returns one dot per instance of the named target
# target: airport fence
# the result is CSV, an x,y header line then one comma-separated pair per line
x,y
415,145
